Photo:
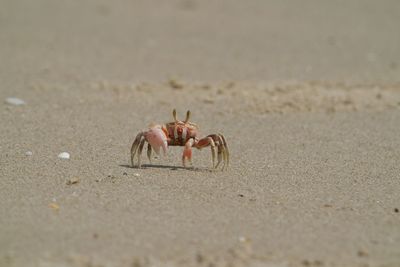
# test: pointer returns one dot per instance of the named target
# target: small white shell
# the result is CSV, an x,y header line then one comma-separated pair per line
x,y
15,101
28,153
63,155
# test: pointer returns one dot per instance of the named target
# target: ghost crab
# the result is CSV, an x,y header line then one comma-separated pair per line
x,y
179,133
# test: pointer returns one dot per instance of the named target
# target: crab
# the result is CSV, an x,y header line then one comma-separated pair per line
x,y
179,133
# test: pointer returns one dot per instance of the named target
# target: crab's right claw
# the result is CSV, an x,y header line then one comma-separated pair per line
x,y
157,139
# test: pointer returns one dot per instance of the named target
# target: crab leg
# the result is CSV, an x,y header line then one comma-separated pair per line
x,y
140,152
219,156
149,152
225,152
135,146
207,141
216,142
212,150
222,150
187,152
226,149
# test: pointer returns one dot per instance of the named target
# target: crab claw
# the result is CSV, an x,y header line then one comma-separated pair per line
x,y
157,139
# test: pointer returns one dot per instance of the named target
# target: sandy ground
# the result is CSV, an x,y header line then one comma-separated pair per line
x,y
307,94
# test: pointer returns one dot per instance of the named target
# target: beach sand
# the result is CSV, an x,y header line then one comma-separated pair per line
x,y
307,95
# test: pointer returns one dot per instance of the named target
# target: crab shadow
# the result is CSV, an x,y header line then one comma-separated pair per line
x,y
170,167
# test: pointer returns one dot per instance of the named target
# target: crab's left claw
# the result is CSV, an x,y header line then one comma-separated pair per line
x,y
157,139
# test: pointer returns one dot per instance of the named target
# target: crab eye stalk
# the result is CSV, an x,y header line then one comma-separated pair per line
x,y
174,115
187,116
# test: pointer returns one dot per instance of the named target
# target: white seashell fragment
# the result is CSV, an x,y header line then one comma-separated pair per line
x,y
136,174
63,155
29,153
243,239
15,101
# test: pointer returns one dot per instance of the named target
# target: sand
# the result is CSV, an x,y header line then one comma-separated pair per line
x,y
307,95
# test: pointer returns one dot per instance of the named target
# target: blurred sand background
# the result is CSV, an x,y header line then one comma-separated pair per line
x,y
306,92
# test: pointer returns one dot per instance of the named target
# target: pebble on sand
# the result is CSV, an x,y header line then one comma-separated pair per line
x,y
28,153
63,155
15,101
73,180
54,206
